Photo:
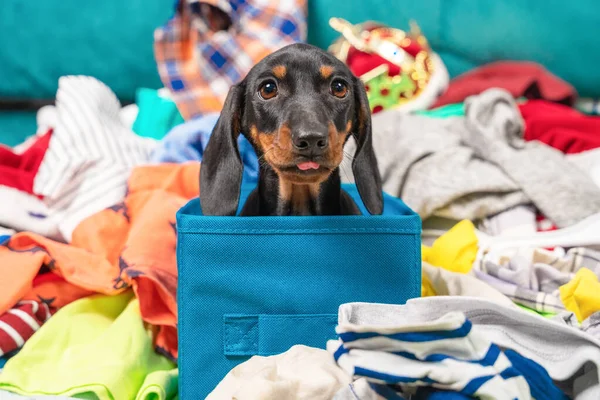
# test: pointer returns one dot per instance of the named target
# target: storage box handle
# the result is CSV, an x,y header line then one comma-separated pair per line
x,y
268,334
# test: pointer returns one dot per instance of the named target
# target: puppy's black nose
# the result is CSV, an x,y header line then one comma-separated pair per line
x,y
310,143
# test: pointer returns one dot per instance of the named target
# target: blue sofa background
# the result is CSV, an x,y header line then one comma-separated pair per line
x,y
112,40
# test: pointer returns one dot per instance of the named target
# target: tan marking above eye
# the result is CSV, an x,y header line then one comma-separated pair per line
x,y
326,71
279,71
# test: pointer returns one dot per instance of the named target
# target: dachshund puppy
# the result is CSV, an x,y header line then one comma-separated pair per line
x,y
297,107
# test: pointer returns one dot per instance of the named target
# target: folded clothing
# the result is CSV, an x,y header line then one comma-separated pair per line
x,y
559,126
562,351
90,154
101,341
445,353
210,45
520,78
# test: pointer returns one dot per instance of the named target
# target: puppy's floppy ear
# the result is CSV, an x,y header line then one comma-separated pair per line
x,y
364,165
222,168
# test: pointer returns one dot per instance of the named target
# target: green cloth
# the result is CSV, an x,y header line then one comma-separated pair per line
x,y
548,315
451,110
160,385
156,116
94,348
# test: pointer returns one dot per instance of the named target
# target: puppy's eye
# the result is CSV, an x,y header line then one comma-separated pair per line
x,y
268,90
339,88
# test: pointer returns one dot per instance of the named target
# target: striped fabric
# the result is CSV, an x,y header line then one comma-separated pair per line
x,y
199,62
20,323
445,354
91,153
534,282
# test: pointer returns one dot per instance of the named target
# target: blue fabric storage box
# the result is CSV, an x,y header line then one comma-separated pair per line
x,y
259,285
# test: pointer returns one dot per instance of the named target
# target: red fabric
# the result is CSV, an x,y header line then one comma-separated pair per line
x,y
560,126
18,170
520,78
360,62
20,323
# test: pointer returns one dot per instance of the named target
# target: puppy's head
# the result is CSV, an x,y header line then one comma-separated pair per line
x,y
298,106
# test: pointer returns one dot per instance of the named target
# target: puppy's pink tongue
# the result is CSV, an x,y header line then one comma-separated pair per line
x,y
305,166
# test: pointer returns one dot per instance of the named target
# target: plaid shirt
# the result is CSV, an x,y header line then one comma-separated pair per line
x,y
199,63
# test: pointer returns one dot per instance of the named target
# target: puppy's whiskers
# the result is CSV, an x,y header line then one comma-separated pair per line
x,y
261,160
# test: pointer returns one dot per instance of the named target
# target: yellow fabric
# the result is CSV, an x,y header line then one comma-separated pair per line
x,y
426,286
582,294
455,250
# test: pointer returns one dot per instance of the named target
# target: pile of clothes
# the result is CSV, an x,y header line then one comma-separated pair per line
x,y
503,167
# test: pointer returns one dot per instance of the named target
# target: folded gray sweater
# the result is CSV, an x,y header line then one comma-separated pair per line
x,y
476,166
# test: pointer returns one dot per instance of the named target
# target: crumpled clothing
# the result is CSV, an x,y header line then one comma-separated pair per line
x,y
495,133
19,323
533,277
476,166
90,155
300,373
95,346
517,221
18,170
520,78
209,45
582,294
591,325
131,244
455,250
442,282
534,286
560,126
187,142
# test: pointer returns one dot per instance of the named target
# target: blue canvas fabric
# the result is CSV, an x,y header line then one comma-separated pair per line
x,y
259,285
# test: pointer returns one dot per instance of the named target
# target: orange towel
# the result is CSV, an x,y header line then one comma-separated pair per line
x,y
131,244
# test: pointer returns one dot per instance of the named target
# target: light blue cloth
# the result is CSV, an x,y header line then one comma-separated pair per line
x,y
187,142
